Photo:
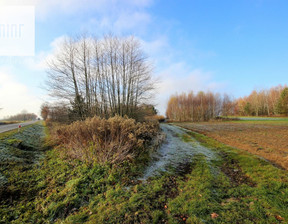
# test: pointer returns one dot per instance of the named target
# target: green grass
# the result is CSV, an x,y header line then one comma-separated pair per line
x,y
260,120
260,197
239,187
278,122
20,154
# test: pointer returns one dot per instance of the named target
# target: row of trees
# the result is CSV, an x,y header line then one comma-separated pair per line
x,y
62,112
23,116
264,102
198,107
58,112
204,106
103,77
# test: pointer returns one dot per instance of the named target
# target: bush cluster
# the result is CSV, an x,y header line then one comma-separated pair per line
x,y
112,140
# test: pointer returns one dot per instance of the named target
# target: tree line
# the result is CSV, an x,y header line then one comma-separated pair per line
x,y
62,112
204,106
269,102
23,116
201,106
102,77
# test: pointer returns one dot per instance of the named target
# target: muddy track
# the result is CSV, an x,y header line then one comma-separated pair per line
x,y
175,153
231,169
175,157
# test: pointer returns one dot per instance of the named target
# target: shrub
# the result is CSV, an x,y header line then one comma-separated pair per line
x,y
159,118
100,140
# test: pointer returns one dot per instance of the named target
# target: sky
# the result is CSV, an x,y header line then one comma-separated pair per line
x,y
223,46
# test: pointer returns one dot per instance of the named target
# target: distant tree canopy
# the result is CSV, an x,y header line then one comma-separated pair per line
x,y
45,111
58,112
198,107
282,104
263,103
23,116
103,77
204,106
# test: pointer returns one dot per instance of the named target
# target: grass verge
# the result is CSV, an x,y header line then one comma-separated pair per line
x,y
236,188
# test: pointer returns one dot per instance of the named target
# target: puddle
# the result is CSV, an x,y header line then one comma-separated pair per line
x,y
174,152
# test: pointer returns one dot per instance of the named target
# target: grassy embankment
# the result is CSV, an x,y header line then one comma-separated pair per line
x,y
236,188
20,153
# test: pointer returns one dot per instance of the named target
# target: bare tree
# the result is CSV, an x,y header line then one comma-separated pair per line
x,y
23,116
104,77
263,102
227,105
200,107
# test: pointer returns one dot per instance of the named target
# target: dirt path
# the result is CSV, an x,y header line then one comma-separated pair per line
x,y
177,150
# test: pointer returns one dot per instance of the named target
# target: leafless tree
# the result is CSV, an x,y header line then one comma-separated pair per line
x,y
197,107
104,77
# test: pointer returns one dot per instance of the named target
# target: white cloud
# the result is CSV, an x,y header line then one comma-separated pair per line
x,y
128,21
15,97
36,63
179,78
39,61
48,8
157,47
70,7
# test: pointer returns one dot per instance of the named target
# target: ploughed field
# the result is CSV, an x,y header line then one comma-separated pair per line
x,y
265,138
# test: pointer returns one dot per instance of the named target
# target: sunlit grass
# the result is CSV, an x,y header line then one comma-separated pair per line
x,y
236,188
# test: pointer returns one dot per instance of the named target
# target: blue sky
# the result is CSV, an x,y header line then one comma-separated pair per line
x,y
223,46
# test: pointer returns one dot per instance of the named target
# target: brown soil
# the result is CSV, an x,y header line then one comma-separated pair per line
x,y
232,169
269,141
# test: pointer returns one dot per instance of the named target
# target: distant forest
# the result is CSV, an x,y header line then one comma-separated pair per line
x,y
23,116
204,106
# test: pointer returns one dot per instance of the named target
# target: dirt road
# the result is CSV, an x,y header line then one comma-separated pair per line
x,y
175,152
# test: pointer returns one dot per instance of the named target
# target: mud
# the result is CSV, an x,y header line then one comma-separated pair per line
x,y
234,172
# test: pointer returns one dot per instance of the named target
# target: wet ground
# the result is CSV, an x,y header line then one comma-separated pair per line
x,y
176,152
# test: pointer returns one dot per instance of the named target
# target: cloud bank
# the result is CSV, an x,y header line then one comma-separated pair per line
x,y
122,17
15,97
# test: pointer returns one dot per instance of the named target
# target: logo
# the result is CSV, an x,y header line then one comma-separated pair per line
x,y
17,30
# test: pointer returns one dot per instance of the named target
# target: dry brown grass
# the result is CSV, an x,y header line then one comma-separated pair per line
x,y
159,118
100,140
260,138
